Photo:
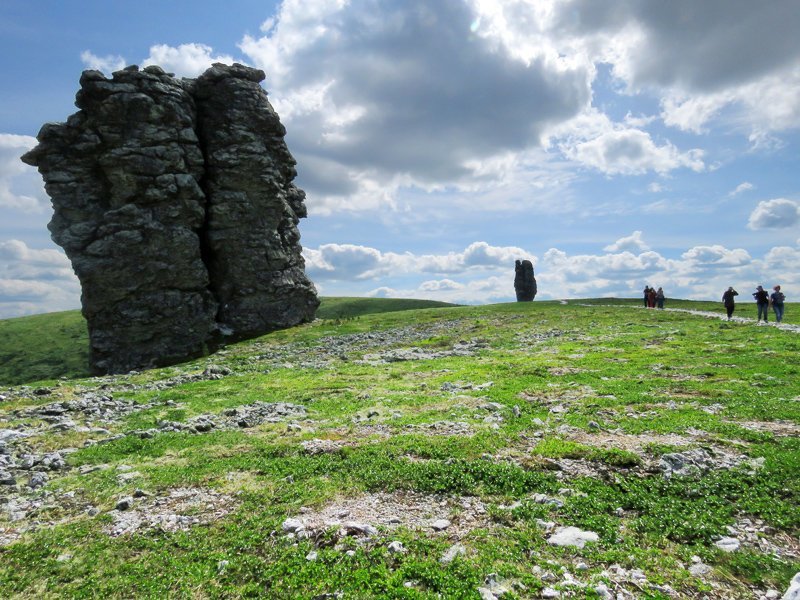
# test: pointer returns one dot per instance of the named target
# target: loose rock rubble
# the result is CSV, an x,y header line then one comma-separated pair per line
x,y
366,515
181,509
241,417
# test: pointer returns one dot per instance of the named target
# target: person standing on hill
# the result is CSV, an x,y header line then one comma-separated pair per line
x,y
776,299
762,302
660,298
646,295
727,300
651,298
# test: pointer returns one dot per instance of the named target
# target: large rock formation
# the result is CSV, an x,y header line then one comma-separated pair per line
x,y
174,201
524,281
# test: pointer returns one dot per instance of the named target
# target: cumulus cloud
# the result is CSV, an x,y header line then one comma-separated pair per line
x,y
440,285
717,256
341,262
592,139
404,92
35,280
20,185
632,243
106,64
704,59
621,270
775,214
185,60
632,152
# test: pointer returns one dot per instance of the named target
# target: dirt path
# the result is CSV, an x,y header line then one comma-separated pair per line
x,y
712,315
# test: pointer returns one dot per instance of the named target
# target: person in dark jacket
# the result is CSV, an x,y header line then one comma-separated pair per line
x,y
660,298
646,295
727,300
762,302
776,298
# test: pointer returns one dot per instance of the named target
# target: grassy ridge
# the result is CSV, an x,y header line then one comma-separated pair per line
x,y
53,345
568,401
42,347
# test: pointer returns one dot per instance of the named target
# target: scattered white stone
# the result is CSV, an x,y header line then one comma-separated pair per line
x,y
292,525
396,548
440,524
311,556
452,552
572,536
699,569
728,544
793,593
354,528
222,565
581,566
601,589
493,588
546,525
124,503
550,593
486,594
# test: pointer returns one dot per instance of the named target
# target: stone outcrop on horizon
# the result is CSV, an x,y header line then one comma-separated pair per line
x,y
524,281
173,199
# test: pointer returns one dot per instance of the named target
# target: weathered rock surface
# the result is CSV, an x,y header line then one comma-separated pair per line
x,y
174,201
524,281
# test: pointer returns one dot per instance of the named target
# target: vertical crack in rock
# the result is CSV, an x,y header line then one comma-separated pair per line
x,y
253,208
174,201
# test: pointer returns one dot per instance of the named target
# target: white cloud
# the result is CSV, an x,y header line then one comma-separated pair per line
x,y
185,60
105,64
342,262
35,280
20,185
632,152
632,243
717,256
438,285
655,188
741,188
775,214
394,94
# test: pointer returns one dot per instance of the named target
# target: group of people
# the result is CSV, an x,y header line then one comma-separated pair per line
x,y
764,301
653,298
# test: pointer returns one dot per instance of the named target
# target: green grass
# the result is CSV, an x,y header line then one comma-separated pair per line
x,y
49,346
573,402
43,347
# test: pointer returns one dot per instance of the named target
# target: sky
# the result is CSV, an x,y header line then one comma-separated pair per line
x,y
614,144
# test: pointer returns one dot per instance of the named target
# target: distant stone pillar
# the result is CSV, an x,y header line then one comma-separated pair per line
x,y
524,281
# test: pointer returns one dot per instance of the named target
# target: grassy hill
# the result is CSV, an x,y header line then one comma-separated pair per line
x,y
424,453
53,345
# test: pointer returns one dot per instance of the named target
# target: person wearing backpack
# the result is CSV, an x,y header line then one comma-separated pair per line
x,y
776,298
762,302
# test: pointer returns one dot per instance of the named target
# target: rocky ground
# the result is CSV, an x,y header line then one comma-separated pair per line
x,y
544,428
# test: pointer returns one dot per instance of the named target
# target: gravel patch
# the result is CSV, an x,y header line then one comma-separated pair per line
x,y
181,509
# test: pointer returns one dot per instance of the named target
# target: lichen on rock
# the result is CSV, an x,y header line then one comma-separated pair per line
x,y
173,199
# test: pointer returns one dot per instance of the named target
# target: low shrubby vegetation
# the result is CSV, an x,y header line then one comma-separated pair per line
x,y
391,449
